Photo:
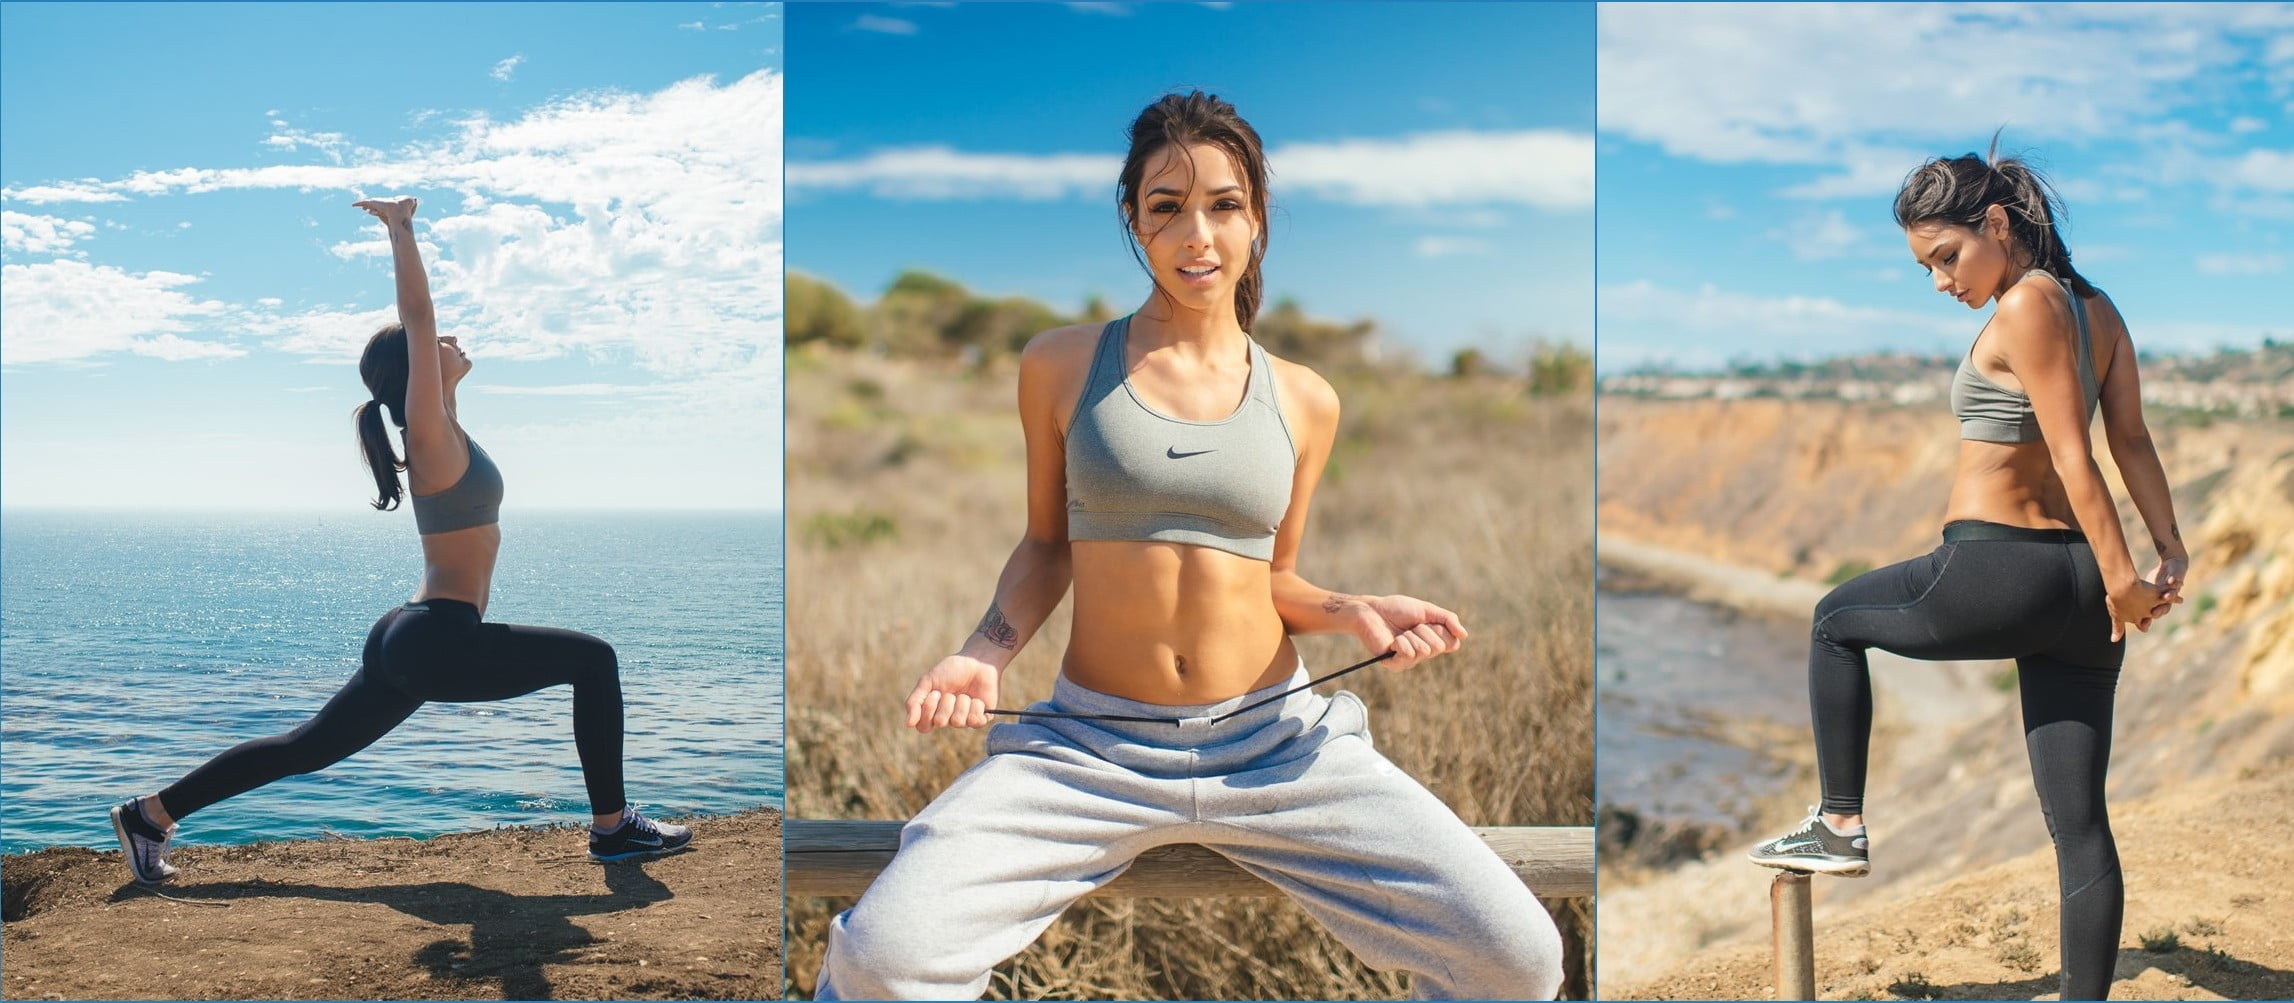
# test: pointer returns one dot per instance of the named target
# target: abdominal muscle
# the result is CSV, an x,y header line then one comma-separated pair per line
x,y
1170,623
460,565
2011,483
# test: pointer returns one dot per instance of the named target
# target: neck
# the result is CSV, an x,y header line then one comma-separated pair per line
x,y
1162,323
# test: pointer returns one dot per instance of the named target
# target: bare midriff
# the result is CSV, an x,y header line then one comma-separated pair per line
x,y
460,565
1173,623
2010,483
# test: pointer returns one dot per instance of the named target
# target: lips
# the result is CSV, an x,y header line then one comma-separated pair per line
x,y
1200,274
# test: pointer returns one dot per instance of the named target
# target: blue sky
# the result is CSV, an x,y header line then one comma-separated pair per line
x,y
187,287
1432,162
1749,158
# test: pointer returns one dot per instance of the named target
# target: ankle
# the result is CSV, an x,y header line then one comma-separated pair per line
x,y
153,812
1842,824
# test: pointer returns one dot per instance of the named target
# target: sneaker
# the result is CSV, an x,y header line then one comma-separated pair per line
x,y
1816,846
142,843
637,836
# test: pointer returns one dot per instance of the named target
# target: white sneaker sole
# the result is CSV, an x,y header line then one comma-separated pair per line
x,y
1815,865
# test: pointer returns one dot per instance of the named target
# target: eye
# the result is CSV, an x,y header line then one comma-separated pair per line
x,y
1164,206
1228,205
1952,257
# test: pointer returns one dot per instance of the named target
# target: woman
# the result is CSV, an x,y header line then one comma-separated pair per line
x,y
434,647
1170,466
2033,565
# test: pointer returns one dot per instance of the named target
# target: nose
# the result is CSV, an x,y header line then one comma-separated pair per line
x,y
1197,232
1941,281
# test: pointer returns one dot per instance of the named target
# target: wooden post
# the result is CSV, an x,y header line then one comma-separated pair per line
x,y
1789,914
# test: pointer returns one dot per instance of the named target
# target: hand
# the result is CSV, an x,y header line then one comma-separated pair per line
x,y
956,693
2137,602
1413,629
2169,576
393,212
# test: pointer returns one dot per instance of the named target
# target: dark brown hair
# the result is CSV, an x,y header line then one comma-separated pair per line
x,y
1960,189
384,368
1184,120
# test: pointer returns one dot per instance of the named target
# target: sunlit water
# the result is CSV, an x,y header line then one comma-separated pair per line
x,y
1674,676
134,646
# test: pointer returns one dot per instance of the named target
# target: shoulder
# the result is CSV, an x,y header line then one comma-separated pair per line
x,y
1060,348
2034,309
1302,391
1053,367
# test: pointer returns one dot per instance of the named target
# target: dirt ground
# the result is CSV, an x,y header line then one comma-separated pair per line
x,y
2207,901
508,914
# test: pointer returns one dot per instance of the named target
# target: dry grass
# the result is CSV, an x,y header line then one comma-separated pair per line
x,y
905,496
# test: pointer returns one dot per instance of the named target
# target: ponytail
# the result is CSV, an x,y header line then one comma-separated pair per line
x,y
383,367
374,445
1960,190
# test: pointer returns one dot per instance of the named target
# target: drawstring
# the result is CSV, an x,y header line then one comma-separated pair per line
x,y
1365,663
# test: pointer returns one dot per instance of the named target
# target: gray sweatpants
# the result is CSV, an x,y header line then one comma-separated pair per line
x,y
1292,792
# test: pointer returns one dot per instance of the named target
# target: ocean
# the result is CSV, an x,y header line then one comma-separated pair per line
x,y
133,646
1685,688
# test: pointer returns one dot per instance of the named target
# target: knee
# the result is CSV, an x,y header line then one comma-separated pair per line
x,y
597,659
869,960
1518,956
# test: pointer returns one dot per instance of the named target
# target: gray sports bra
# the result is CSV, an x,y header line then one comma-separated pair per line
x,y
1989,412
1134,474
475,500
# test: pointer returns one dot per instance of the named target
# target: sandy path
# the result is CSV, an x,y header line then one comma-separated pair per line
x,y
508,914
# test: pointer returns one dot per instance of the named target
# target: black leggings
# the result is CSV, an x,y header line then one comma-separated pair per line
x,y
1993,591
433,650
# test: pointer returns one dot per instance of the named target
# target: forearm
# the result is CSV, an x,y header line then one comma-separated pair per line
x,y
414,307
2098,517
1307,608
1034,580
2146,479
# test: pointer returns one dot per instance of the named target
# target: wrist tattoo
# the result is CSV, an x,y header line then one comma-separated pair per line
x,y
1337,601
997,630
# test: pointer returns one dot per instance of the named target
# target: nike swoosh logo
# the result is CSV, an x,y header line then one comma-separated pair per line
x,y
1175,454
655,841
1801,845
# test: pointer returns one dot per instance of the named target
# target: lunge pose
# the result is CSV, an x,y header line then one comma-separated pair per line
x,y
2033,565
437,646
1170,464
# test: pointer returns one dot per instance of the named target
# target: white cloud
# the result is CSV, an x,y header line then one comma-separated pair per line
x,y
1821,236
41,234
1643,321
1544,168
2241,264
1728,83
574,390
885,25
2247,123
1547,168
507,68
65,310
643,227
939,172
1443,247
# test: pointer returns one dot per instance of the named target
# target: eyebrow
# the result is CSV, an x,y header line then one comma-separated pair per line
x,y
1174,191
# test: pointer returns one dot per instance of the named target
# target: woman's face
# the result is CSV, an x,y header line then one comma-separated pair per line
x,y
1193,221
453,363
1971,266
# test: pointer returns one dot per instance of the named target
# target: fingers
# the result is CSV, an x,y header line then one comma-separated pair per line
x,y
2118,631
915,703
1448,621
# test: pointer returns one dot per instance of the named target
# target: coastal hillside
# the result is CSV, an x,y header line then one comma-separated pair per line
x,y
519,914
1741,499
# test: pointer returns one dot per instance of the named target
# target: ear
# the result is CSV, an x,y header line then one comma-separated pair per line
x,y
1995,222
